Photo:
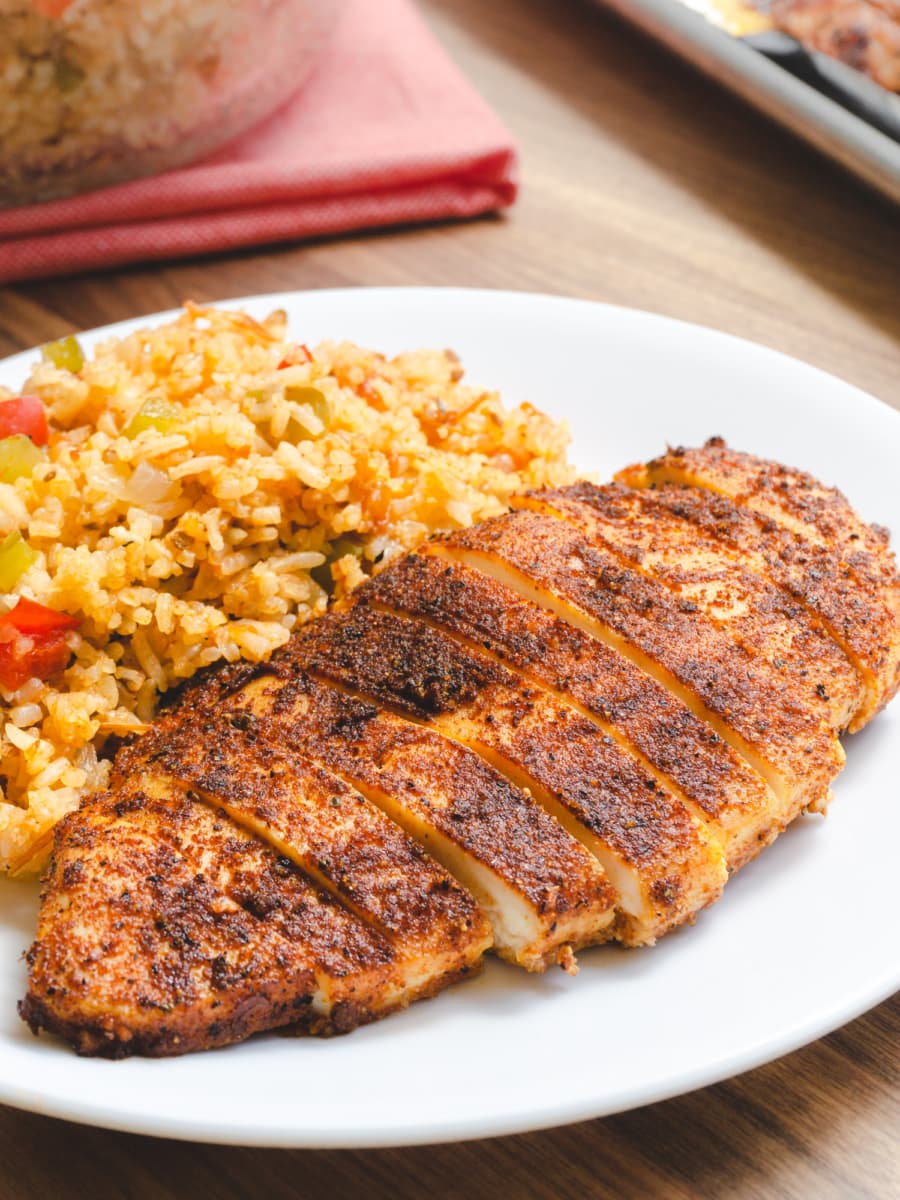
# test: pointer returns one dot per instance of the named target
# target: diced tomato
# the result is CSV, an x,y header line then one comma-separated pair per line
x,y
23,659
295,356
32,642
31,618
24,414
52,8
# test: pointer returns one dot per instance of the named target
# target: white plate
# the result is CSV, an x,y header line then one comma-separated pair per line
x,y
802,941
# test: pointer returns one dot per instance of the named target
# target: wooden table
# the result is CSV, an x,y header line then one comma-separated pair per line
x,y
644,185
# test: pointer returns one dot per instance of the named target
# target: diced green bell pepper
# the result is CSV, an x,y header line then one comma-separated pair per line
x,y
65,354
154,413
18,456
16,556
67,75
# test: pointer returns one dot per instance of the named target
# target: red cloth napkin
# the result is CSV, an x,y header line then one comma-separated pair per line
x,y
386,130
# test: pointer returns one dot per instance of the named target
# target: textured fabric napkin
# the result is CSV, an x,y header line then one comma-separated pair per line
x,y
386,130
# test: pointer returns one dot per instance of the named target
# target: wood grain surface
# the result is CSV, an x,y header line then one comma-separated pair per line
x,y
643,184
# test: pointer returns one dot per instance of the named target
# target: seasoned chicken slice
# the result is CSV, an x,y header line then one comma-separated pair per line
x,y
337,837
544,895
759,616
353,964
682,752
137,952
822,515
855,611
748,704
338,972
658,856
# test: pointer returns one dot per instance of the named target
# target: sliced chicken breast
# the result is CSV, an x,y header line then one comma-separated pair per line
x,y
683,753
759,616
336,836
658,856
853,610
353,964
794,499
543,894
550,562
563,725
791,497
232,937
138,953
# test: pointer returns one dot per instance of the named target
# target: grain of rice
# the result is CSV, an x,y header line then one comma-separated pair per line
x,y
23,715
302,561
19,737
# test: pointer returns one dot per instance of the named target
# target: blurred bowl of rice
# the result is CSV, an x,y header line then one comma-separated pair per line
x,y
96,92
191,494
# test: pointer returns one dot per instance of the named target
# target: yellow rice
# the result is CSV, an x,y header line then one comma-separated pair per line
x,y
214,537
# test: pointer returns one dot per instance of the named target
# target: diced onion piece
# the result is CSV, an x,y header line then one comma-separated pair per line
x,y
316,399
147,485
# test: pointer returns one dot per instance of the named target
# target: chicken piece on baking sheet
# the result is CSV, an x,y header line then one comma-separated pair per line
x,y
804,537
748,704
759,616
684,754
542,892
865,34
657,853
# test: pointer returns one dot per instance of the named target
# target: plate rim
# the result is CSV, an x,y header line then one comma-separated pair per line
x,y
288,1137
507,295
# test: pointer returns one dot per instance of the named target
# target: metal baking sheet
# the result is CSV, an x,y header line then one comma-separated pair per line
x,y
840,111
